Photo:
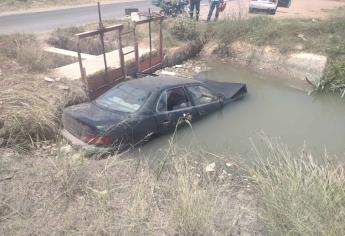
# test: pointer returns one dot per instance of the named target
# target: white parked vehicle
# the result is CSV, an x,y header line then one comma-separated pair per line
x,y
267,5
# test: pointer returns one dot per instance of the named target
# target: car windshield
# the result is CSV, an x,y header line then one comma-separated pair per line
x,y
124,98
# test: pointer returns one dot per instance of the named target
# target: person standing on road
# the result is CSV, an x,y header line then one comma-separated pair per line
x,y
214,4
194,4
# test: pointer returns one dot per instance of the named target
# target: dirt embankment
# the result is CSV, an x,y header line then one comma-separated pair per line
x,y
306,47
298,9
304,68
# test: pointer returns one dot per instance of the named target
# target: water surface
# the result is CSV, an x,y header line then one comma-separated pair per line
x,y
271,107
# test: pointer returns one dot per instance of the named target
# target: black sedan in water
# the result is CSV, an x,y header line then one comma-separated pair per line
x,y
137,109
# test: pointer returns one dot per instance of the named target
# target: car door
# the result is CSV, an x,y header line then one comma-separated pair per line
x,y
204,100
284,3
173,104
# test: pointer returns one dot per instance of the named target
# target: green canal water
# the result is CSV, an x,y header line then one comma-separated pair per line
x,y
273,108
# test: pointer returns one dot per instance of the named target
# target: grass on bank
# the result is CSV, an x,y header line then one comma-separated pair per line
x,y
298,194
176,31
25,50
65,38
59,191
30,107
320,36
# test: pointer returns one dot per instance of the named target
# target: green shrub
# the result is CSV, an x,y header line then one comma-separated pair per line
x,y
256,29
184,29
334,78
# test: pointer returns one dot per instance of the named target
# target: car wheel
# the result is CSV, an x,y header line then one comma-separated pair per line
x,y
251,10
285,4
273,12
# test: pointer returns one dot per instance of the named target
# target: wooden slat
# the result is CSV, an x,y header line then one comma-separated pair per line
x,y
156,18
99,31
113,27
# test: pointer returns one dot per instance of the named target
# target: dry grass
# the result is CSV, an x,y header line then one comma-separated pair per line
x,y
25,50
298,195
65,38
56,190
30,106
60,192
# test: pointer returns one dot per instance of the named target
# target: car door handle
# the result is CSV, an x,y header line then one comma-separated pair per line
x,y
202,112
166,122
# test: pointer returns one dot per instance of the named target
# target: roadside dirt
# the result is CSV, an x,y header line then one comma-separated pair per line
x,y
298,8
307,8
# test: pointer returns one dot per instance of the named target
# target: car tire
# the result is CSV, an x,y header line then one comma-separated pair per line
x,y
285,5
273,12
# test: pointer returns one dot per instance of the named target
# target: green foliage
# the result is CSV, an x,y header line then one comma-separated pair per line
x,y
253,29
184,29
334,78
297,195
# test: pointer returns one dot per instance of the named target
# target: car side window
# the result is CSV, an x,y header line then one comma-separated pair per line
x,y
201,95
162,102
173,99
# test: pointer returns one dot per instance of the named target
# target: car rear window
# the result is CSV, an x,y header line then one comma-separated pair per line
x,y
124,98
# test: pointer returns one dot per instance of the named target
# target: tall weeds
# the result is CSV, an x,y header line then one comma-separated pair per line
x,y
26,50
297,194
121,196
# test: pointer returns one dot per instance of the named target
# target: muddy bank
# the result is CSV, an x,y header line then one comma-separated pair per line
x,y
299,66
178,55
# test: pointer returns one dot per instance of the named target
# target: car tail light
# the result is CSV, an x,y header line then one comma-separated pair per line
x,y
96,139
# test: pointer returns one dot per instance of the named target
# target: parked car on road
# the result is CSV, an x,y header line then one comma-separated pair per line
x,y
269,6
135,110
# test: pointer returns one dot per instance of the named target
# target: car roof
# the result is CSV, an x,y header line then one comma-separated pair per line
x,y
160,82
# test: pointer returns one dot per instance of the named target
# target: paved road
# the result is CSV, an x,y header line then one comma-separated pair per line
x,y
52,19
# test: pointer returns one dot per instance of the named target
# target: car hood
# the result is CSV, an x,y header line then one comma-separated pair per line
x,y
229,91
94,116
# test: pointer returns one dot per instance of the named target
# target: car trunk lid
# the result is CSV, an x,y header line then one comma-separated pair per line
x,y
89,119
